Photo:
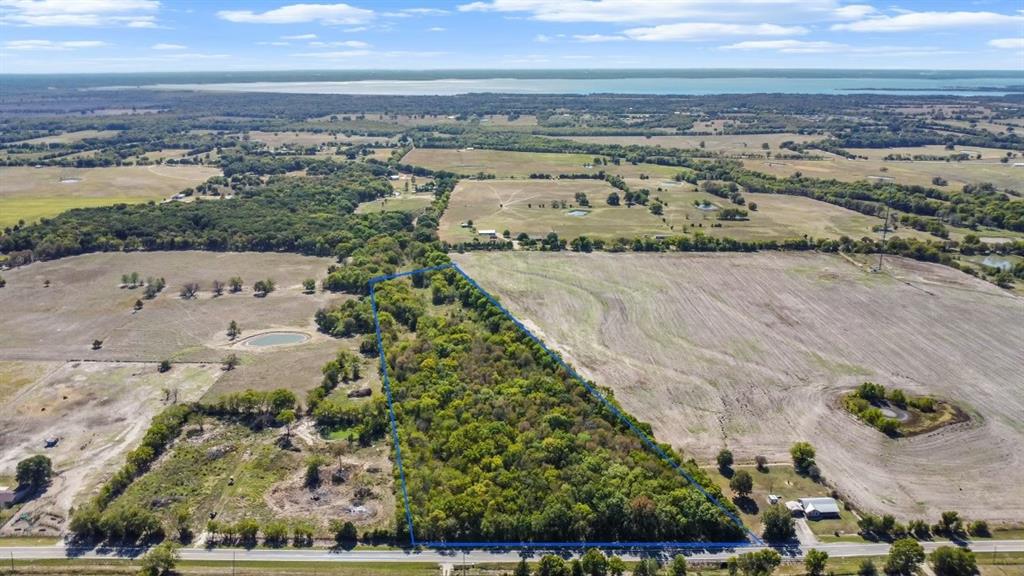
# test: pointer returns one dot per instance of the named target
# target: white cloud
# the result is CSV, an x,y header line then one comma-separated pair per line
x,y
340,44
145,23
300,37
658,10
164,46
686,31
788,46
336,54
598,38
273,43
1011,43
50,45
854,11
909,21
436,29
297,13
410,12
87,13
542,38
346,54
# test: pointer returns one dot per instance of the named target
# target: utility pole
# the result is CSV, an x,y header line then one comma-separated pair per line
x,y
885,229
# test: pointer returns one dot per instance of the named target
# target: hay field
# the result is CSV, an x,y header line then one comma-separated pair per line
x,y
71,137
727,143
752,351
99,411
514,205
32,193
910,173
505,164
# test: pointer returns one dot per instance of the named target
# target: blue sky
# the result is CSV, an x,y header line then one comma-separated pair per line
x,y
190,35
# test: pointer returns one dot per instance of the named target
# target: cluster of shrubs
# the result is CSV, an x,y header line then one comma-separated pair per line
x,y
950,525
593,561
863,401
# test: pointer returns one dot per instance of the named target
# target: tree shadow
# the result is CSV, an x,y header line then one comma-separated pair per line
x,y
746,504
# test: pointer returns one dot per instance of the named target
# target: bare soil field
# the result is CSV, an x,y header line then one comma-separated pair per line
x,y
752,351
98,411
85,302
32,193
70,137
727,143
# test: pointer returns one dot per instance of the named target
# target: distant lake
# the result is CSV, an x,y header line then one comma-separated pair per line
x,y
970,84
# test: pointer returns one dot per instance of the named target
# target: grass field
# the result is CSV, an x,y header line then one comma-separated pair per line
x,y
505,164
753,351
727,143
71,137
515,205
32,193
919,173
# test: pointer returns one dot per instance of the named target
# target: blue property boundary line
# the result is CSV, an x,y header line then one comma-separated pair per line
x,y
593,391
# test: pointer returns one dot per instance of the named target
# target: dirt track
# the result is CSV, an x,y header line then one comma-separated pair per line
x,y
752,350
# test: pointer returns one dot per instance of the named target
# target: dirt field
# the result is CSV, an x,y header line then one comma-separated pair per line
x,y
70,137
32,193
753,350
515,205
99,411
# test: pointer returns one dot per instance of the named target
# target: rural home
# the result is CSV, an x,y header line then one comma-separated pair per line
x,y
489,233
815,508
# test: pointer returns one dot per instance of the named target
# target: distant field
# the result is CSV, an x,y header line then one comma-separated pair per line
x,y
275,139
919,173
987,154
728,143
32,193
521,164
70,137
752,351
515,205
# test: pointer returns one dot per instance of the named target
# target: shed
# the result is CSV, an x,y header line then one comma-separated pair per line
x,y
489,233
820,507
795,509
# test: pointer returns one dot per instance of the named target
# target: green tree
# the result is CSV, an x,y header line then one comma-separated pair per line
x,y
678,565
165,366
594,563
522,568
616,567
286,418
904,557
613,199
551,565
815,562
724,459
760,563
867,568
233,330
138,305
34,472
161,559
778,523
742,483
953,561
309,285
979,528
803,456
344,532
230,362
235,284
275,533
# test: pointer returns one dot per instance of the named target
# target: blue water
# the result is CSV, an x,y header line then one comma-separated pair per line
x,y
276,339
912,83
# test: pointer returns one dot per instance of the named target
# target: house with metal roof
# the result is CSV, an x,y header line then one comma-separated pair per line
x,y
822,507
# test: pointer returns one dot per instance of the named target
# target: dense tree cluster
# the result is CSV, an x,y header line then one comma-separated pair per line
x,y
489,424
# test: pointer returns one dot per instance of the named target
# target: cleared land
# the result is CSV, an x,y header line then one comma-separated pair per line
x,y
32,193
727,143
505,164
919,172
753,351
71,137
526,206
98,411
85,302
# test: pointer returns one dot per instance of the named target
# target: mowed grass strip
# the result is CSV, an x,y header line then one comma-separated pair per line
x,y
32,193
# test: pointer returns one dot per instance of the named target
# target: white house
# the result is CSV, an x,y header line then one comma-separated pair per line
x,y
823,507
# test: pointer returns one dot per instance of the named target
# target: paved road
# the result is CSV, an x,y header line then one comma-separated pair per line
x,y
838,550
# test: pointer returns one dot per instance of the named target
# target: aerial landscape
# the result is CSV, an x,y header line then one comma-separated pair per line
x,y
512,287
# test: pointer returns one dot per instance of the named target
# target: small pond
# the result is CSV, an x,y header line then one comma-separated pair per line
x,y
578,213
996,262
276,339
